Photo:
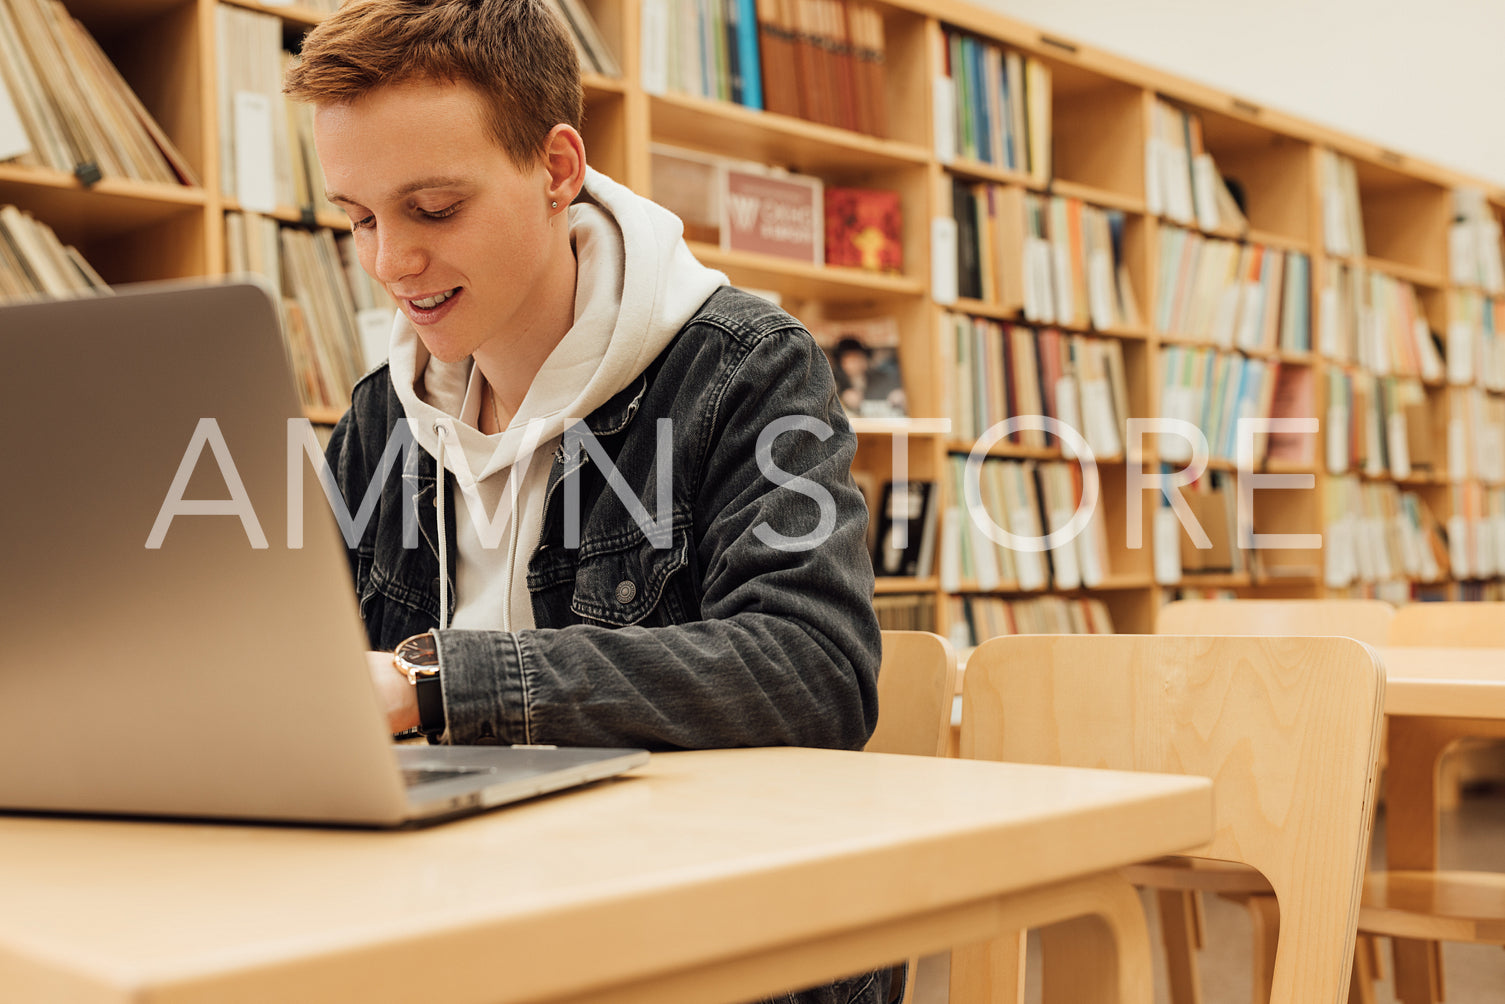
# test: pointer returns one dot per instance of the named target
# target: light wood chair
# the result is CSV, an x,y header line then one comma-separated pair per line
x,y
1413,903
916,687
1287,729
1178,883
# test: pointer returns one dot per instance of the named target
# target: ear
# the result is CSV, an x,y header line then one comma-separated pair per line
x,y
564,160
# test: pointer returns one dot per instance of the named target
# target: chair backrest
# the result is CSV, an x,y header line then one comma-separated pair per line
x,y
1450,625
1286,728
916,688
1366,620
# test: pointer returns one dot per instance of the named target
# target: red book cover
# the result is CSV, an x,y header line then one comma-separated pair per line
x,y
864,229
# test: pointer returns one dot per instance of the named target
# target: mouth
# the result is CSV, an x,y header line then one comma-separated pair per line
x,y
429,309
433,302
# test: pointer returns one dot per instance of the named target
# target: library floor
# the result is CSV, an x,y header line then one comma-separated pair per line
x,y
1473,836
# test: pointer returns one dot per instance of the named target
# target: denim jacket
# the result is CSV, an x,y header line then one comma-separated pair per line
x,y
719,638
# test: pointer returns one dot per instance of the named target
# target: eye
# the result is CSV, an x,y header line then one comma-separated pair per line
x,y
364,223
439,214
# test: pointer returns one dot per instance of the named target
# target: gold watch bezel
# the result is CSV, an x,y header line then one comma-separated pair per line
x,y
417,657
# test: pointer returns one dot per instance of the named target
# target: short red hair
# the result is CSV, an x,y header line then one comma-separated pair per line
x,y
516,53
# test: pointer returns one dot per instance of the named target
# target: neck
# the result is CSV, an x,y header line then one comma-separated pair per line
x,y
511,364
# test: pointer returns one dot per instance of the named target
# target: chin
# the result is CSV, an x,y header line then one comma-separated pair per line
x,y
444,350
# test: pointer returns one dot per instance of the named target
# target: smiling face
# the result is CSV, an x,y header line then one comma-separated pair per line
x,y
465,240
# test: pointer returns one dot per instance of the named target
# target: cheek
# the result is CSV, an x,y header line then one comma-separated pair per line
x,y
365,253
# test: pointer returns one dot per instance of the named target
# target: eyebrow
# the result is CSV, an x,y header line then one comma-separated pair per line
x,y
408,189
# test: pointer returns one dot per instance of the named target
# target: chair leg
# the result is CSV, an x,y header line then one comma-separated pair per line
x,y
1361,983
1264,915
992,971
1371,944
1418,971
1102,956
1179,929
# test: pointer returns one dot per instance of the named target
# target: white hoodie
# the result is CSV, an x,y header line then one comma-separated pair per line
x,y
637,285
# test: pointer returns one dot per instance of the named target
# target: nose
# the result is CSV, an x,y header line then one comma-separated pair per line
x,y
398,254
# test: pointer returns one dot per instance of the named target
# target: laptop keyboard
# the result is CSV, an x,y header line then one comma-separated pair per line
x,y
421,775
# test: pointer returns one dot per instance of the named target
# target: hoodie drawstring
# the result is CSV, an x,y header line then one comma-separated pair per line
x,y
439,431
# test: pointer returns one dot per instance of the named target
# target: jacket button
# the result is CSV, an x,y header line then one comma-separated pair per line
x,y
626,590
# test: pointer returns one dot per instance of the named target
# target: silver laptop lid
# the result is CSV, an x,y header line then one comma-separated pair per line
x,y
220,672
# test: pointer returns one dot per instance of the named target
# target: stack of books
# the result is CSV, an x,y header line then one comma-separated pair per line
x,y
1000,107
33,262
307,273
1342,216
975,619
1003,370
1055,260
590,45
1212,390
63,105
1182,183
1026,499
820,60
1376,533
1474,244
1231,294
1376,321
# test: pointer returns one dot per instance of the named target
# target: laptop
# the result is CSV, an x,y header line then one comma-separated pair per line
x,y
221,673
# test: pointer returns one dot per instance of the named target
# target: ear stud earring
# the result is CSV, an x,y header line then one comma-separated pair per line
x,y
553,205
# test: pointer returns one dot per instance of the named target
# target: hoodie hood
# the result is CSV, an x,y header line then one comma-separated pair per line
x,y
637,285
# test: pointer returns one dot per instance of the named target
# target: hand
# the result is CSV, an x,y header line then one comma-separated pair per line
x,y
398,697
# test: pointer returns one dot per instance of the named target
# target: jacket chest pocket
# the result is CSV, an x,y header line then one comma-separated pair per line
x,y
624,585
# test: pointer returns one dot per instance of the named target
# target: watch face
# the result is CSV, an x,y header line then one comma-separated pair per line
x,y
417,652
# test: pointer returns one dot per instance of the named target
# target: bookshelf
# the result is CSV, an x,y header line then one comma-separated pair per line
x,y
1106,120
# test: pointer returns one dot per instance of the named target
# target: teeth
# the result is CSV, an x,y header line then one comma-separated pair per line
x,y
433,301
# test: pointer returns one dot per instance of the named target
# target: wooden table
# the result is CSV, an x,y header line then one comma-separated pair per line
x,y
1433,698
709,876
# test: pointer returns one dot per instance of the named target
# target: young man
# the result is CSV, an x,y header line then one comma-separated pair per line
x,y
636,524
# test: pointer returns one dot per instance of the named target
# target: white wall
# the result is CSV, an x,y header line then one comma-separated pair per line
x,y
1423,77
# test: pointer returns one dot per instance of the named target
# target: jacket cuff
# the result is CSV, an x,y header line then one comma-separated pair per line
x,y
484,697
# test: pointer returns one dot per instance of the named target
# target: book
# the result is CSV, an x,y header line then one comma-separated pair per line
x,y
771,213
595,55
34,262
864,229
864,356
76,111
906,515
688,184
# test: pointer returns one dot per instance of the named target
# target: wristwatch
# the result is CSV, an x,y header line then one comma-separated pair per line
x,y
417,658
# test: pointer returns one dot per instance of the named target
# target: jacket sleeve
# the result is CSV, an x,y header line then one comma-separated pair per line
x,y
787,646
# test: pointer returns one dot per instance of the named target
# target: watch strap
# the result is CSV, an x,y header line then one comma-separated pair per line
x,y
430,696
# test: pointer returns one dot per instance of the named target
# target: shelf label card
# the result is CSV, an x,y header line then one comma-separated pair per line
x,y
943,281
1205,182
1400,451
1337,439
655,46
1457,449
1458,546
255,165
1063,557
1335,222
13,139
1154,184
1167,547
1100,288
943,112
